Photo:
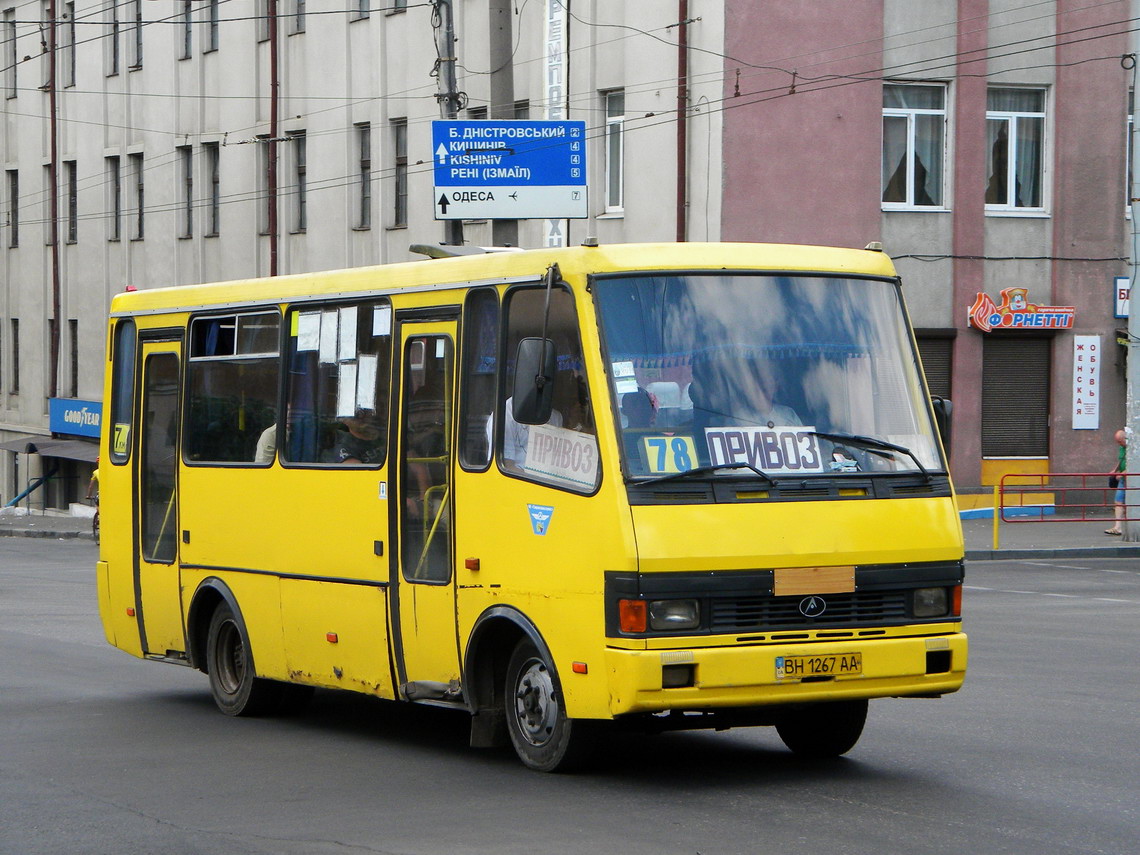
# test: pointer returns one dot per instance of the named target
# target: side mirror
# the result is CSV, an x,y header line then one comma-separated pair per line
x,y
533,388
943,407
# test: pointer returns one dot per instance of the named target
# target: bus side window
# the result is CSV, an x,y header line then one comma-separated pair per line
x,y
480,374
571,426
336,398
232,378
122,390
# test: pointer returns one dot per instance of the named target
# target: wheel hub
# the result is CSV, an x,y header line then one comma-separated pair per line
x,y
536,705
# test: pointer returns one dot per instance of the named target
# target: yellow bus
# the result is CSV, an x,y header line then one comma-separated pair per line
x,y
665,486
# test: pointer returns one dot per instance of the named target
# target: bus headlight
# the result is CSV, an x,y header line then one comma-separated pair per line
x,y
672,615
930,602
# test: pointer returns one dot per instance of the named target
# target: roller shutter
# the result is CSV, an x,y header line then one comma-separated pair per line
x,y
936,354
1015,397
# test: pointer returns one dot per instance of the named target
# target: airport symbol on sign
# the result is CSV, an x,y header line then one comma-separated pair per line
x,y
509,170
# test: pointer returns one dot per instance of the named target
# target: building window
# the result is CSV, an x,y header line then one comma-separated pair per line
x,y
10,53
297,17
187,29
522,110
210,42
115,197
138,181
364,171
914,133
45,55
400,171
67,34
13,208
73,334
361,9
14,341
50,188
263,20
297,145
213,173
1015,396
1129,176
1015,143
112,54
71,176
137,35
615,149
185,155
395,6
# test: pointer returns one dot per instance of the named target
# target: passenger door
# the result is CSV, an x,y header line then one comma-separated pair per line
x,y
424,607
158,599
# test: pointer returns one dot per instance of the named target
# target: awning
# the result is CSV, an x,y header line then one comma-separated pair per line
x,y
71,449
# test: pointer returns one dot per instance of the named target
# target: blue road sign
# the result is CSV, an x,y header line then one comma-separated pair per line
x,y
510,170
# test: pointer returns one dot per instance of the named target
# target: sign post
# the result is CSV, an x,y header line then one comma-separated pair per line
x,y
509,170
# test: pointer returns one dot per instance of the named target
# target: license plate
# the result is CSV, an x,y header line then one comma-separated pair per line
x,y
837,665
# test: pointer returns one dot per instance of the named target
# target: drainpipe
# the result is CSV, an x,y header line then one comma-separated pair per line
x,y
53,203
682,119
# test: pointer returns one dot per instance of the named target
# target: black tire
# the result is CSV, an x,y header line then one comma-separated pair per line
x,y
95,526
542,736
230,665
824,730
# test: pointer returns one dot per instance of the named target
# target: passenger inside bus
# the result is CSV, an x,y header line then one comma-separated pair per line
x,y
358,442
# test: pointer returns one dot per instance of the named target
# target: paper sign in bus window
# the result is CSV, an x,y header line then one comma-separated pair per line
x,y
346,391
346,349
366,381
328,336
308,331
568,456
382,321
789,449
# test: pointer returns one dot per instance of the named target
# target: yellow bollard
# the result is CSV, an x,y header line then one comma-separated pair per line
x,y
997,518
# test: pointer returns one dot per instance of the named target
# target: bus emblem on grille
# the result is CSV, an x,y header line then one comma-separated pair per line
x,y
812,606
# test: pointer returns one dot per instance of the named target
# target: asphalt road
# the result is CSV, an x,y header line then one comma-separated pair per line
x,y
102,753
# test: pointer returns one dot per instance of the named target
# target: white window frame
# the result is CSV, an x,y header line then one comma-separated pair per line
x,y
614,165
10,55
1012,117
910,114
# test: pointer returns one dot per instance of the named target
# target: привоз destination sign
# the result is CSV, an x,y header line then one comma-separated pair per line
x,y
509,170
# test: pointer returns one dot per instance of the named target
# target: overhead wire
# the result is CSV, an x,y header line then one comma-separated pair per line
x,y
728,102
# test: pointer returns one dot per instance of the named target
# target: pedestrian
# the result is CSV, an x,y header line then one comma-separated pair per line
x,y
1116,479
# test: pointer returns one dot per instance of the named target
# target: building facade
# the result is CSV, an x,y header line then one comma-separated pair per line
x,y
156,143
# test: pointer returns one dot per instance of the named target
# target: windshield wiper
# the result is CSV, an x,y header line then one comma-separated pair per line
x,y
873,445
708,470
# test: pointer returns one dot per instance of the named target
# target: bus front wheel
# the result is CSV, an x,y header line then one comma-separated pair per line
x,y
543,737
824,730
235,688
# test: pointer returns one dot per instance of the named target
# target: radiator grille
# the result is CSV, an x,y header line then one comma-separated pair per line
x,y
750,614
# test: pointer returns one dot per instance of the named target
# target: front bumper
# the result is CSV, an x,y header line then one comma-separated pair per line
x,y
744,676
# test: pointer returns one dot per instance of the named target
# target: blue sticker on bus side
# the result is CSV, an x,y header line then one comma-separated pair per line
x,y
540,517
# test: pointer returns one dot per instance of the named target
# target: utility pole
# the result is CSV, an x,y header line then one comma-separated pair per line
x,y
1132,365
449,96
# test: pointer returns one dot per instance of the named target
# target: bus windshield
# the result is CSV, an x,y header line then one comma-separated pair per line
x,y
725,374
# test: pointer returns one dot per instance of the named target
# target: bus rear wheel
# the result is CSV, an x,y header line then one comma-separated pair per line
x,y
235,689
542,736
824,730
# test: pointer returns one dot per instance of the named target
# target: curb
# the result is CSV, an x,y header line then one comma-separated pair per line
x,y
1065,552
45,533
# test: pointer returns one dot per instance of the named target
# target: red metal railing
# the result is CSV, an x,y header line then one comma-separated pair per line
x,y
1060,496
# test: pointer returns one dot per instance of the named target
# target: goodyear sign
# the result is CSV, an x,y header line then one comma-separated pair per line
x,y
1017,313
75,417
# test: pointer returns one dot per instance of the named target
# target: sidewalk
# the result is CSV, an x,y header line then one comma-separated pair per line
x,y
39,524
1054,538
